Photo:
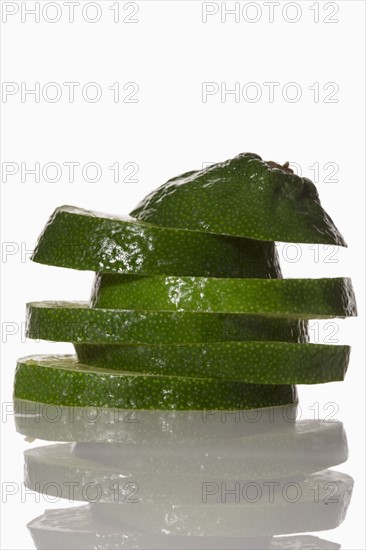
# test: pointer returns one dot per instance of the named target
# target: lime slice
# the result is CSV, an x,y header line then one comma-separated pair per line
x,y
301,298
87,240
77,322
61,380
251,362
246,197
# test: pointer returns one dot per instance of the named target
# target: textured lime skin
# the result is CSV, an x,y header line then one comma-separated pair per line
x,y
87,240
246,197
251,362
77,322
61,380
301,298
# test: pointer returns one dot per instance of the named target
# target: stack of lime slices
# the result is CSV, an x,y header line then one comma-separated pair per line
x,y
189,309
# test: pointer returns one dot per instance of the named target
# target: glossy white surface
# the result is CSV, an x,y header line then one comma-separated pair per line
x,y
186,480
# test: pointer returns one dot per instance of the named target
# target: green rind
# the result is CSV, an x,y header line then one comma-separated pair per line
x,y
77,322
298,298
243,196
250,362
87,240
61,380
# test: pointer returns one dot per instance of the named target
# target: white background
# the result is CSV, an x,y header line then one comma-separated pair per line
x,y
169,53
